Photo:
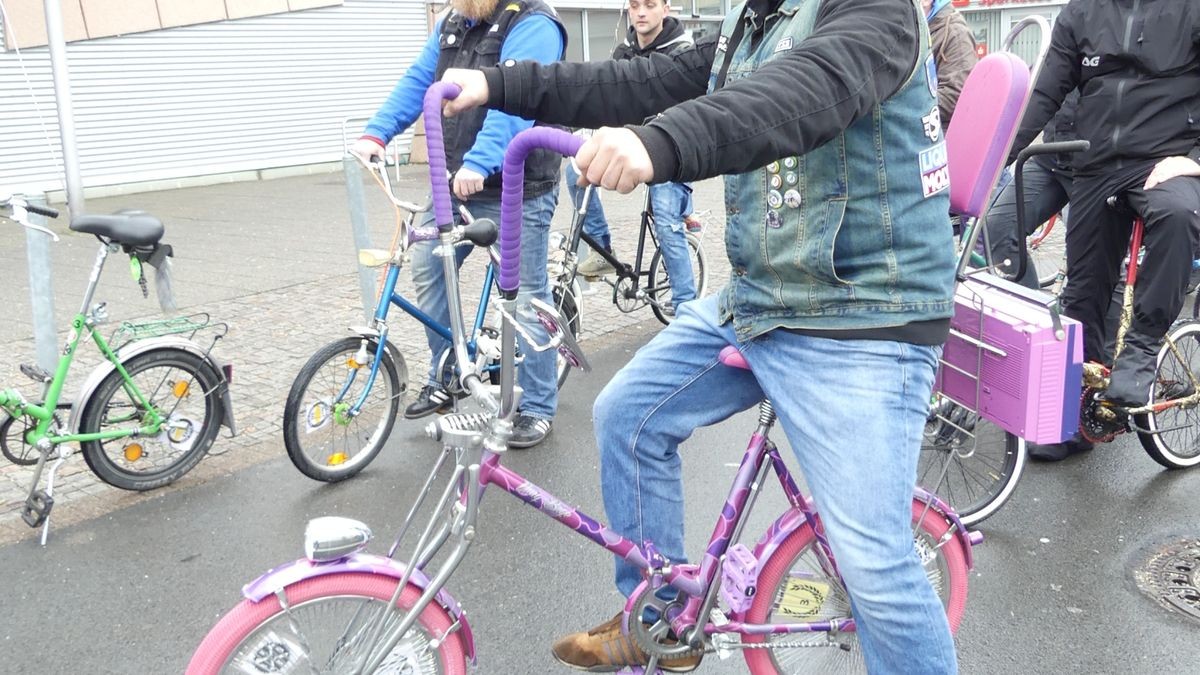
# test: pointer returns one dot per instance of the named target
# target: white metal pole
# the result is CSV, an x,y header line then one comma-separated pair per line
x,y
62,97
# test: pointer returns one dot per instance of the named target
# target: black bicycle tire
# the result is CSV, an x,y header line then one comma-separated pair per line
x,y
291,409
701,281
1153,443
8,452
1002,488
89,422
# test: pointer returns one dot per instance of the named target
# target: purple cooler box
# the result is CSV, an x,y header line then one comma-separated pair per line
x,y
1029,380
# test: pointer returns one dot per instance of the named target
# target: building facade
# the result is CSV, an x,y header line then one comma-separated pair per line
x,y
233,97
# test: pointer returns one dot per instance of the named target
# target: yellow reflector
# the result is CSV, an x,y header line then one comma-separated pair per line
x,y
180,389
336,459
133,452
803,598
352,364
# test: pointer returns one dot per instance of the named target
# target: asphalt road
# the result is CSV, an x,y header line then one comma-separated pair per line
x,y
135,591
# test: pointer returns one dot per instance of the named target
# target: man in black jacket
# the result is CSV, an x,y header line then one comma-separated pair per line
x,y
1136,64
652,29
840,297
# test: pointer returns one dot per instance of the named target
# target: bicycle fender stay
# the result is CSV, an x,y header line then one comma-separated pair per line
x,y
373,334
301,570
138,348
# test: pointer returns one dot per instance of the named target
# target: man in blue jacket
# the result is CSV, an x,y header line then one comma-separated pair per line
x,y
478,33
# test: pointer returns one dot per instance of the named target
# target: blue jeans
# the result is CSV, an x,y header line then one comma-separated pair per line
x,y
670,203
854,411
538,373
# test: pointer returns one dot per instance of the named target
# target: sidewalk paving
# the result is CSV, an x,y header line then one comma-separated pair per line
x,y
275,260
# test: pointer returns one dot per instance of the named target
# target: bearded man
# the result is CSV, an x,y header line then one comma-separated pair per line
x,y
475,34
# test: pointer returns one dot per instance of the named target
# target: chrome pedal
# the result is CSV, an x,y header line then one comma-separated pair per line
x,y
35,373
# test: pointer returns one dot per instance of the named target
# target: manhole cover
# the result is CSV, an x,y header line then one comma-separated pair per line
x,y
1171,576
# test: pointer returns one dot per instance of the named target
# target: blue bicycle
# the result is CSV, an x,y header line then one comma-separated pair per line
x,y
344,402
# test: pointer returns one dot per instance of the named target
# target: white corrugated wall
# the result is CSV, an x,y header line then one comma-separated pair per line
x,y
231,96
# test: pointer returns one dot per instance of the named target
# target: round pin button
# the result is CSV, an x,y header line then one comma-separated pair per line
x,y
774,220
773,167
790,162
776,181
774,199
792,198
451,39
792,178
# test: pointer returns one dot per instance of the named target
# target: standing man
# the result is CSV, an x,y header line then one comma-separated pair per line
x,y
840,296
953,48
651,30
1137,68
475,34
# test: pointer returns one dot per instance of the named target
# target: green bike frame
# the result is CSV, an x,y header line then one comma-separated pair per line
x,y
14,404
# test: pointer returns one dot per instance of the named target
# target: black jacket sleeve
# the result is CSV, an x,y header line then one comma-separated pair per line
x,y
1059,76
601,93
859,53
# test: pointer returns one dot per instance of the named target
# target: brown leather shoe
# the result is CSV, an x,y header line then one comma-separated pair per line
x,y
605,649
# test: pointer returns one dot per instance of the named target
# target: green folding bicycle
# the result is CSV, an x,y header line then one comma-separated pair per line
x,y
150,411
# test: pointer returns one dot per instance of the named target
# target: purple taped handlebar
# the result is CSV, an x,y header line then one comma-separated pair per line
x,y
513,194
443,212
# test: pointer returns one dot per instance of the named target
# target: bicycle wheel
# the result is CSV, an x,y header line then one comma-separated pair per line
x,y
183,388
660,286
322,631
1175,438
1048,251
567,300
322,439
792,587
977,483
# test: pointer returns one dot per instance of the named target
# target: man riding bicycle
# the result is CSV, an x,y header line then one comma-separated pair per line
x,y
1137,68
841,292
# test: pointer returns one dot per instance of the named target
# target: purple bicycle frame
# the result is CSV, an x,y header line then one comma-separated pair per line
x,y
693,580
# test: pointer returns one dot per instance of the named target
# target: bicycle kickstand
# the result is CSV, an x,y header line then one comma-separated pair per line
x,y
50,491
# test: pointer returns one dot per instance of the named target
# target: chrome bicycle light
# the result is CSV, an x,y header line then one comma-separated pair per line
x,y
331,538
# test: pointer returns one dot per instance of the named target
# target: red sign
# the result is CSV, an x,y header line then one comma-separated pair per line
x,y
981,49
960,3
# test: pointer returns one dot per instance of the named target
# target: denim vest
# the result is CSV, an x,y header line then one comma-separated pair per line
x,y
465,44
854,234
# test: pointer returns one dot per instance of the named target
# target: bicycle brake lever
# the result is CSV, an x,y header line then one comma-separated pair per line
x,y
43,230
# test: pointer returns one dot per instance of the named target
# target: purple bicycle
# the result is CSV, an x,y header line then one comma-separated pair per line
x,y
779,601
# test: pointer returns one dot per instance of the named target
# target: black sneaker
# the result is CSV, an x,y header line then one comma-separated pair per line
x,y
430,400
1056,452
528,431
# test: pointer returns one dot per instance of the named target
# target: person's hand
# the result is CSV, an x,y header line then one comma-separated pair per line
x,y
1169,168
467,183
367,150
614,159
474,90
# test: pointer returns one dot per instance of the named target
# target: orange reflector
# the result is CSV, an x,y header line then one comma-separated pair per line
x,y
336,458
180,389
133,452
351,363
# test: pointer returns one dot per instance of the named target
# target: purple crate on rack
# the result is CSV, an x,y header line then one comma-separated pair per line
x,y
1020,374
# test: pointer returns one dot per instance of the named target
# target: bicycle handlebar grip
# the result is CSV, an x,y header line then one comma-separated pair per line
x,y
42,210
513,194
442,212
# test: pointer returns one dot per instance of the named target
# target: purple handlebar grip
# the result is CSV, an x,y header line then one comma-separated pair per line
x,y
513,193
443,213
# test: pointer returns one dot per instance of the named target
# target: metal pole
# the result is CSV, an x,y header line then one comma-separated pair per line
x,y
62,97
41,290
362,236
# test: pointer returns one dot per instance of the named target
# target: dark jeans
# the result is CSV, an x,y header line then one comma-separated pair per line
x,y
1098,239
1046,193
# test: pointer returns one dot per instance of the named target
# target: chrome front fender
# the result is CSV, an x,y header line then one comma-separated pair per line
x,y
137,348
303,569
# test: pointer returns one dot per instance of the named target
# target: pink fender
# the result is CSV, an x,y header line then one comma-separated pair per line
x,y
793,519
300,570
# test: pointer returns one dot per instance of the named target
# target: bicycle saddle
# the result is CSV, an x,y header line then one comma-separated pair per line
x,y
732,357
134,228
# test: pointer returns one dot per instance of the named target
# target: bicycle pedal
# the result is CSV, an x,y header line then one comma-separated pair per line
x,y
35,373
37,508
